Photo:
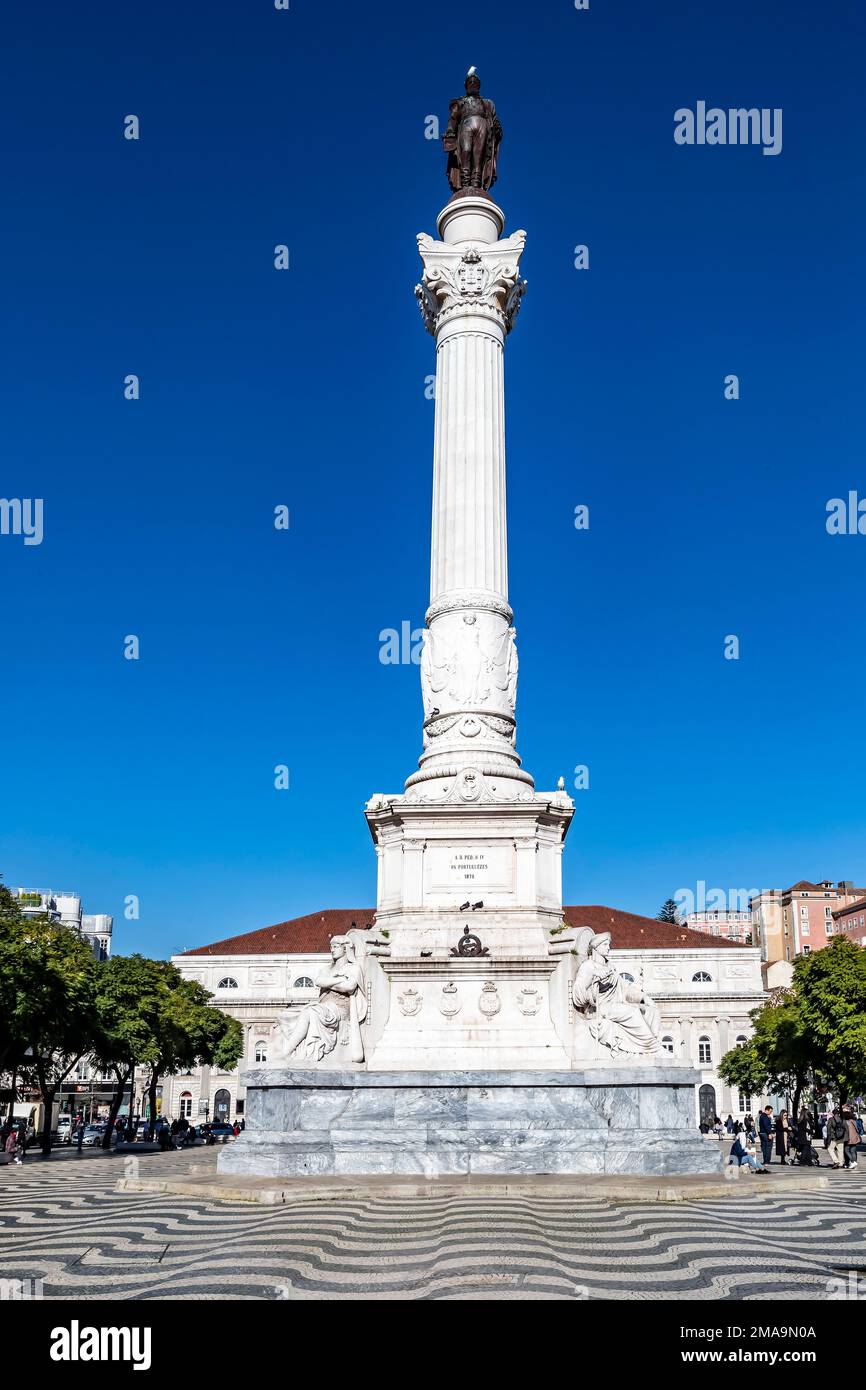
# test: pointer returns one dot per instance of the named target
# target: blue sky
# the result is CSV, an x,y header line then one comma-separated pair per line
x,y
306,387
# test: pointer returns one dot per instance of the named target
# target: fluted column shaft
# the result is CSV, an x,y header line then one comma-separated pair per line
x,y
469,533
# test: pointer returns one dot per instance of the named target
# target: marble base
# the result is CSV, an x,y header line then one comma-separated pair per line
x,y
598,1120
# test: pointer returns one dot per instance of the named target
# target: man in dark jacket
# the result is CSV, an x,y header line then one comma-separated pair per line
x,y
765,1125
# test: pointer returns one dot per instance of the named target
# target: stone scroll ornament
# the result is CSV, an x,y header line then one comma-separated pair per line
x,y
484,277
620,1015
313,1032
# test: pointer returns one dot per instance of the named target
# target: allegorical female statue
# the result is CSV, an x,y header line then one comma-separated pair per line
x,y
620,1016
314,1031
472,138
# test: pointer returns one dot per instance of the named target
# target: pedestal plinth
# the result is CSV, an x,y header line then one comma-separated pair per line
x,y
596,1120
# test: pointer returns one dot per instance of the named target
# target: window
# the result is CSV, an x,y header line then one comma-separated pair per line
x,y
668,1044
705,1051
227,983
806,950
304,982
625,976
745,1102
702,978
185,1105
805,929
261,1052
741,1038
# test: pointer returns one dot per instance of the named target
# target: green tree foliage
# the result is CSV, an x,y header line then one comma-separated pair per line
x,y
668,912
149,1015
831,991
779,1054
191,1032
47,1015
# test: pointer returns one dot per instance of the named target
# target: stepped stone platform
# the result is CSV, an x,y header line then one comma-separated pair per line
x,y
205,1184
597,1120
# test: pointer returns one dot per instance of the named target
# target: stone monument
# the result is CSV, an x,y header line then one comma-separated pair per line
x,y
470,1031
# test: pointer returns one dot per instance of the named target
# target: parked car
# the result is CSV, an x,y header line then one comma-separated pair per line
x,y
217,1133
93,1135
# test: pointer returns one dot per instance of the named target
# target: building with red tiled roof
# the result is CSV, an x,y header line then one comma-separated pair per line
x,y
312,934
852,920
789,922
297,936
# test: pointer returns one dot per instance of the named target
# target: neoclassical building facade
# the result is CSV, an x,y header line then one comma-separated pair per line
x,y
705,987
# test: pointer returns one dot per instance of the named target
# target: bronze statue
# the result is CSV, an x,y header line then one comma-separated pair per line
x,y
472,139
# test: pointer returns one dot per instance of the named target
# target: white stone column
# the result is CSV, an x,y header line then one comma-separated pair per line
x,y
468,549
469,297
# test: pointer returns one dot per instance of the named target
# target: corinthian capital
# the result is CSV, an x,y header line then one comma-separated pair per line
x,y
470,277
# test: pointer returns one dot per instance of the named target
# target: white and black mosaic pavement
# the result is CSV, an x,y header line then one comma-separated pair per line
x,y
61,1222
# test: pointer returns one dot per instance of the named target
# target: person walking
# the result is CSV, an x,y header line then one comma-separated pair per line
x,y
837,1132
765,1125
729,1124
783,1137
852,1138
12,1147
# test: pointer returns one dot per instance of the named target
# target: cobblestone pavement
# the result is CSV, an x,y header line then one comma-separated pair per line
x,y
61,1221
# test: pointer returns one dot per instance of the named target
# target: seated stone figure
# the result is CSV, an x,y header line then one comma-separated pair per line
x,y
314,1031
619,1015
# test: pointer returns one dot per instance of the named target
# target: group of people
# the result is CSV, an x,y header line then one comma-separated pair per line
x,y
841,1131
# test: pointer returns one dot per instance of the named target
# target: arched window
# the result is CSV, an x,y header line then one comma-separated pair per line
x,y
702,978
261,1052
227,982
705,1049
185,1105
668,1043
741,1038
304,982
625,975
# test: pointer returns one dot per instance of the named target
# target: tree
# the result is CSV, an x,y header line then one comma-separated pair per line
x,y
831,991
46,1002
190,1032
128,997
149,1015
779,1054
669,912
